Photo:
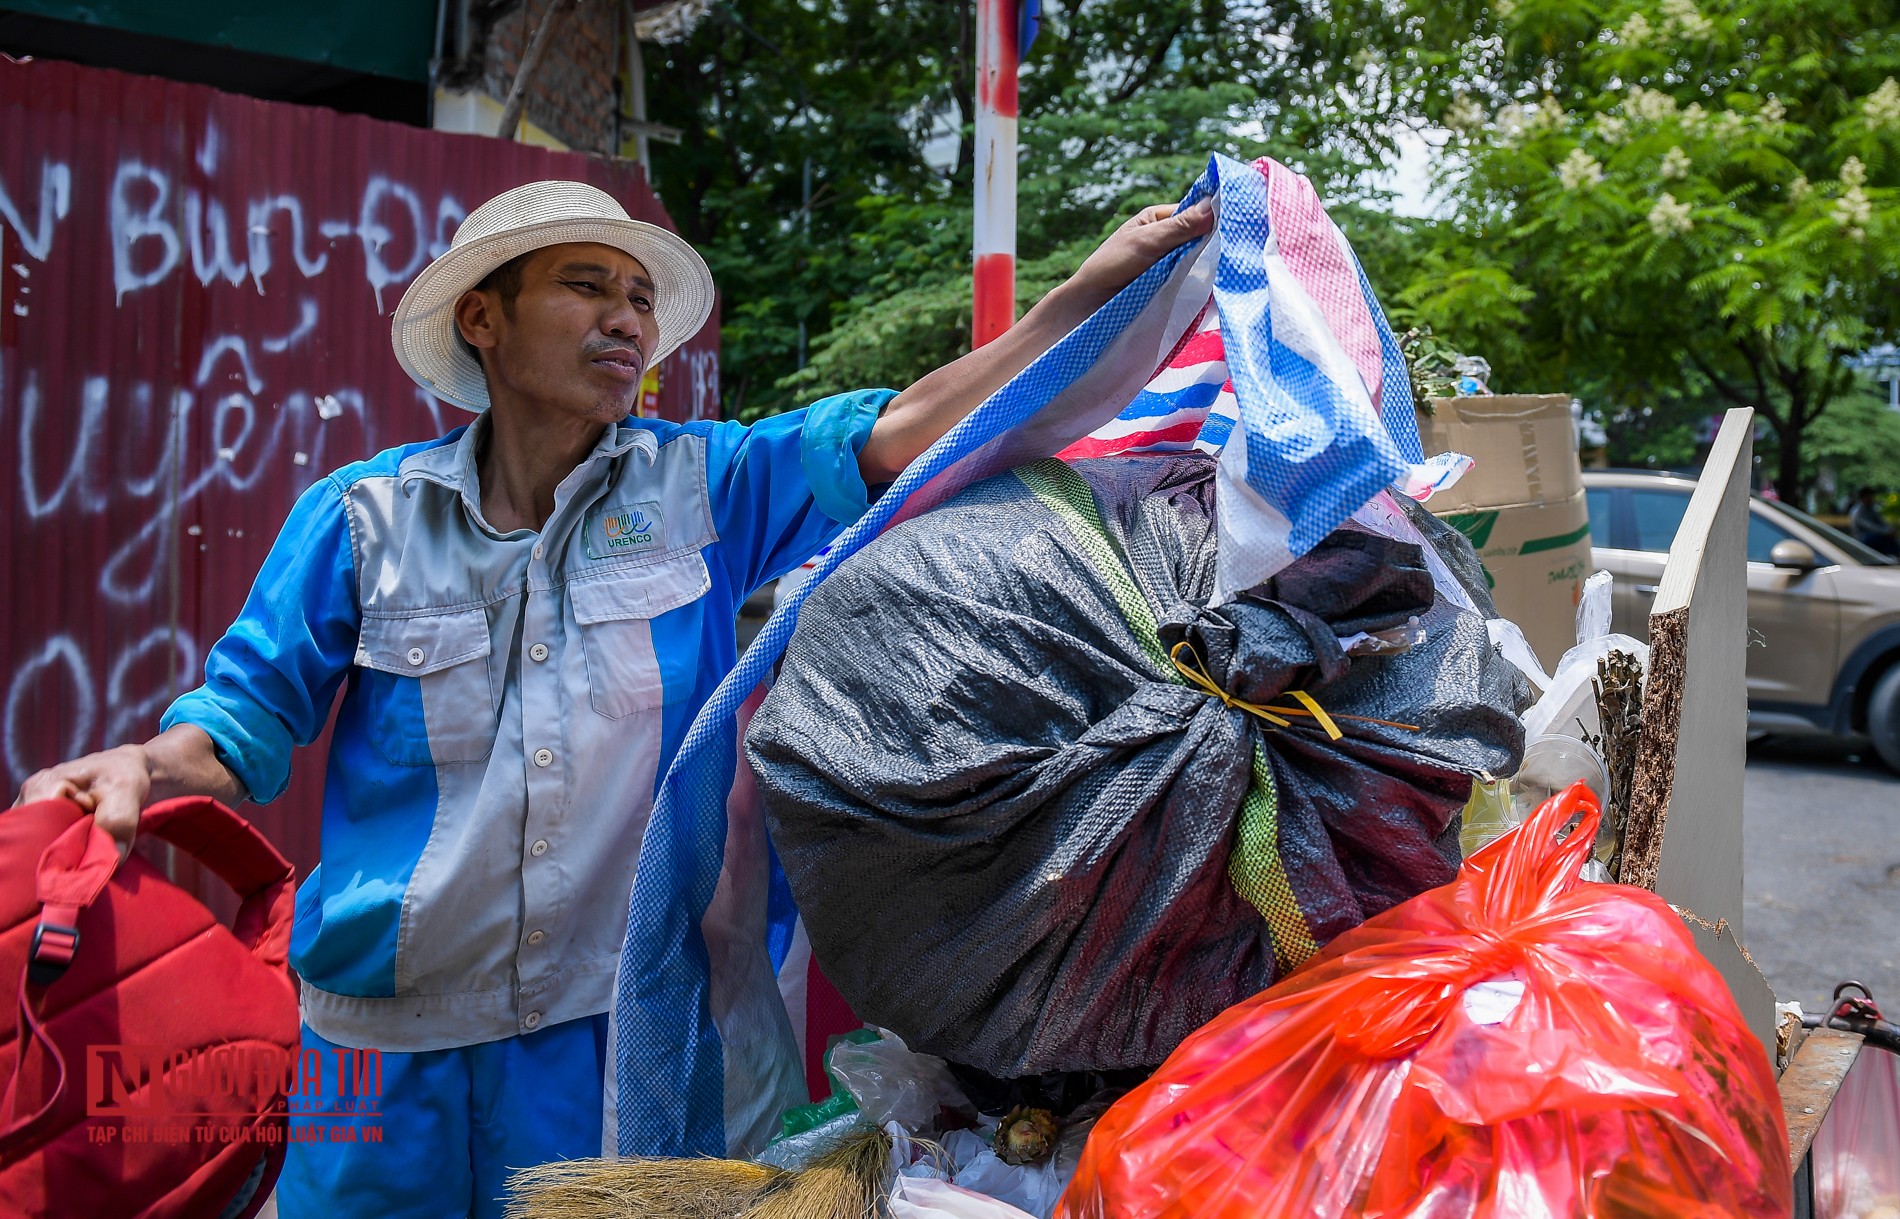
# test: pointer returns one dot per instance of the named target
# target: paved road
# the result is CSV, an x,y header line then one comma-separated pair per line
x,y
1822,870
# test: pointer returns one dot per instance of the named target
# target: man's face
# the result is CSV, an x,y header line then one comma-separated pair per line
x,y
578,337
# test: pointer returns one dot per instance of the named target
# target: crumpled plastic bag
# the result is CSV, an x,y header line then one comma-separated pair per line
x,y
933,1198
1555,728
1033,1188
1516,1043
876,1080
1569,706
892,1083
968,1159
1857,1149
794,1151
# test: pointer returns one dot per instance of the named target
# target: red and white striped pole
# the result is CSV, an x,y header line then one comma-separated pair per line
x,y
995,248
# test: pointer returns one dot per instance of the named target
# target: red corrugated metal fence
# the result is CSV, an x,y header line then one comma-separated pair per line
x,y
194,298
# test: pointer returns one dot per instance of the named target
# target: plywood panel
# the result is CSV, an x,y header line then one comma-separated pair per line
x,y
1686,819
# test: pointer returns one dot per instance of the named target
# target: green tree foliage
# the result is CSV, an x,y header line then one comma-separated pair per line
x,y
1122,101
1669,202
1082,173
796,115
1857,444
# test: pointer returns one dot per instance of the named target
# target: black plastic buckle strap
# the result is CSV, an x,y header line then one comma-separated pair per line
x,y
51,954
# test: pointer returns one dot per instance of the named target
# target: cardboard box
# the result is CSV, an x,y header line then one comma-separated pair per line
x,y
1522,505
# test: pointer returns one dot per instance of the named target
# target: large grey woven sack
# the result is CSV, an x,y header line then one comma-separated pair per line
x,y
1022,840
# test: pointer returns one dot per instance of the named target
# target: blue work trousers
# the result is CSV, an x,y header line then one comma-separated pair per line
x,y
438,1134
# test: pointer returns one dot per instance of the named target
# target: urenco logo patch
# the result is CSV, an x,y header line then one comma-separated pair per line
x,y
625,530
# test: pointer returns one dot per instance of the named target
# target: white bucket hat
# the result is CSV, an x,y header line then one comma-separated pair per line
x,y
540,214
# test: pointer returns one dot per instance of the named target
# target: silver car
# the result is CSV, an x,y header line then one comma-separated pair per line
x,y
1823,610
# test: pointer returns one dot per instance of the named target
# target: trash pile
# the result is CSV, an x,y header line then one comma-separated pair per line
x,y
1517,1042
1043,809
1263,348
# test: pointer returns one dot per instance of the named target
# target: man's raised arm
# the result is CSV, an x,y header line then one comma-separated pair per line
x,y
916,418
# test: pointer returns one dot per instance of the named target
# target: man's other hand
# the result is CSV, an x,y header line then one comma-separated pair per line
x,y
115,785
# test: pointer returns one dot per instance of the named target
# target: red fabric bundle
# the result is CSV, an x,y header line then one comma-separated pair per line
x,y
144,1072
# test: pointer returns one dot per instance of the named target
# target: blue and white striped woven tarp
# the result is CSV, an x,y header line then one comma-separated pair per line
x,y
699,1069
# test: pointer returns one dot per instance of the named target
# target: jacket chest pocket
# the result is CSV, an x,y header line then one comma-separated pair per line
x,y
615,613
431,700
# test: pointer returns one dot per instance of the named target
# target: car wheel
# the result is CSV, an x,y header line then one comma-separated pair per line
x,y
1883,717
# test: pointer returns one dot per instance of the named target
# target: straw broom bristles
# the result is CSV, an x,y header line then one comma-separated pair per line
x,y
845,1182
638,1189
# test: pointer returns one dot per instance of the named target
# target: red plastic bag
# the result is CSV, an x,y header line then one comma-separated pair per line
x,y
1397,1075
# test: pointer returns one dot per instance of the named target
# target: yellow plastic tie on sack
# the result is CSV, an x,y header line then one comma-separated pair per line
x,y
1197,677
1196,674
1325,720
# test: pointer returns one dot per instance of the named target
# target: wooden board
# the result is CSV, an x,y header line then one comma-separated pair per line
x,y
1810,1083
1685,834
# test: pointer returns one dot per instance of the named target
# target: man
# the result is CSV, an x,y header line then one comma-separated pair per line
x,y
524,615
1870,525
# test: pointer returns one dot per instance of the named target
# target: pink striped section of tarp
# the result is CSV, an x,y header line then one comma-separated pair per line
x,y
1314,249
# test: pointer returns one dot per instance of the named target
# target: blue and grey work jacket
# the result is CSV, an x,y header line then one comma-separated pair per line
x,y
511,699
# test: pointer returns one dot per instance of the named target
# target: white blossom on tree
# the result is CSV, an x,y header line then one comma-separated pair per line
x,y
1548,115
1852,211
1670,218
1579,169
1464,113
1882,106
1675,164
1650,105
1685,19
